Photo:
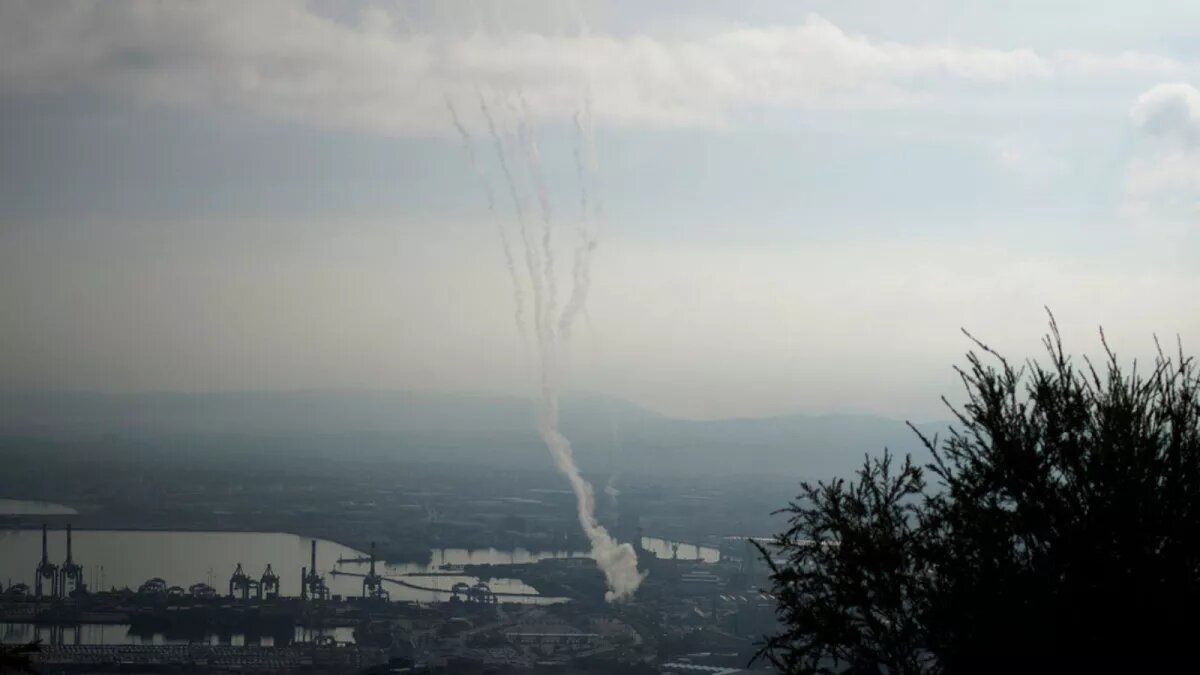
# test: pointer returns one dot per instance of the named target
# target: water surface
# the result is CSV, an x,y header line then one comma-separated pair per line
x,y
22,507
664,548
127,558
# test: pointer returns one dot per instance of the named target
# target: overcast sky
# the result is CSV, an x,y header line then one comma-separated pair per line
x,y
798,203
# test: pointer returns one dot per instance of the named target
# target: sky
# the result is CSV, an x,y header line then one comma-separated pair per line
x,y
795,206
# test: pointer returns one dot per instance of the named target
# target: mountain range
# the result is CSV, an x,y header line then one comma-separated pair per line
x,y
609,434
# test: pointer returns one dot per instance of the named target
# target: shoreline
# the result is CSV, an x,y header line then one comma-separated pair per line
x,y
53,527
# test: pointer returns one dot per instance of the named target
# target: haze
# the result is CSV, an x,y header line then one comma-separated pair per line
x,y
804,201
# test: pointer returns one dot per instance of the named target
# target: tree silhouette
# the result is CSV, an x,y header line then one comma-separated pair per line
x,y
17,658
1057,530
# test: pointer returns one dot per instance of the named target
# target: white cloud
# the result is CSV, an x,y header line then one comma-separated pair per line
x,y
1170,109
1162,182
282,60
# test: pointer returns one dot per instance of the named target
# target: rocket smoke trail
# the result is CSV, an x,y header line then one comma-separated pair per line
x,y
519,207
585,160
610,488
617,448
582,174
528,142
617,561
469,148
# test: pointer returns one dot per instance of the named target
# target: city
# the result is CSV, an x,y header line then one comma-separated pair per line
x,y
353,594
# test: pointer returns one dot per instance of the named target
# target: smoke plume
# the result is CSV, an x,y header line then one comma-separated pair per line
x,y
552,327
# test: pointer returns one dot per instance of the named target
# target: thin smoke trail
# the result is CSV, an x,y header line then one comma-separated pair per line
x,y
579,291
469,148
527,140
506,245
585,163
535,171
617,447
617,561
611,489
581,175
514,149
593,163
579,276
593,158
519,207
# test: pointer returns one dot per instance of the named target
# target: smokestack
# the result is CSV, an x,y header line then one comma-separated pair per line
x,y
313,568
68,542
45,555
372,558
303,582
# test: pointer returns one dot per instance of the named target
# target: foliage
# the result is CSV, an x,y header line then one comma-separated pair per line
x,y
1057,529
17,658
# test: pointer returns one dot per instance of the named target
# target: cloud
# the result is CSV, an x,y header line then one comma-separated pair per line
x,y
1162,182
378,73
1171,109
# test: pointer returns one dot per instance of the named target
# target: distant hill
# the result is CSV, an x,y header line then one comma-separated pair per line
x,y
792,444
609,434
